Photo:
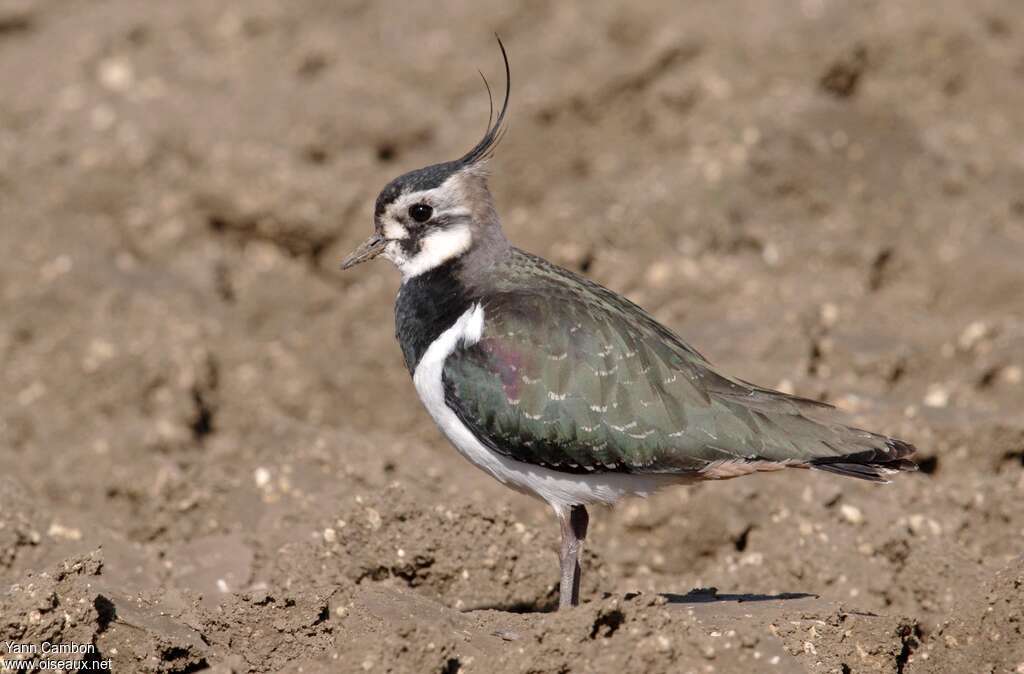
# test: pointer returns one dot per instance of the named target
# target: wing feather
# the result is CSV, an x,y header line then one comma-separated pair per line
x,y
571,376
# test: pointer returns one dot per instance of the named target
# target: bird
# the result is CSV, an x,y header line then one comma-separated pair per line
x,y
562,389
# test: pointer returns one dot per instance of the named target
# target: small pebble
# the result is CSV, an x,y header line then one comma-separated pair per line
x,y
262,477
116,74
57,530
829,314
851,514
937,396
972,334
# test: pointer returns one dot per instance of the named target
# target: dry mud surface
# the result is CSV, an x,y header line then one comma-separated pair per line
x,y
212,456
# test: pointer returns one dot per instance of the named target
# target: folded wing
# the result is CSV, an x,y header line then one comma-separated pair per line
x,y
570,376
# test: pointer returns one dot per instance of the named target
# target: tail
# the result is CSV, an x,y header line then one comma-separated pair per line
x,y
875,465
785,431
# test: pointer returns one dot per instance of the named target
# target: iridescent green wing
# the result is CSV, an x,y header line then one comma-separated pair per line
x,y
571,376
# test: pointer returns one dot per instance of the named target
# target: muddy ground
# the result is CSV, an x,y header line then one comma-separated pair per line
x,y
212,456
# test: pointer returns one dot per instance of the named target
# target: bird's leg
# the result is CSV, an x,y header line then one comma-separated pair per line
x,y
574,530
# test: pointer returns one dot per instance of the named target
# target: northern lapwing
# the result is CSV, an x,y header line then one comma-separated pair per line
x,y
562,389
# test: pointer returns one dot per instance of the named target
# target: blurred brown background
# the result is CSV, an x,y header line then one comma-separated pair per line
x,y
213,456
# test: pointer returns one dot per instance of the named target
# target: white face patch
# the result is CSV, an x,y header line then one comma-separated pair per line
x,y
436,248
431,246
395,230
446,199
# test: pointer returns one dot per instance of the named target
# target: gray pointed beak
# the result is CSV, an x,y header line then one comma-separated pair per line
x,y
368,250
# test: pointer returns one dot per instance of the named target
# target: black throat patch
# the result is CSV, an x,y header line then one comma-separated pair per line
x,y
427,305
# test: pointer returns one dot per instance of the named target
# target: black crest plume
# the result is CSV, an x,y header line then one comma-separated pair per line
x,y
485,148
433,176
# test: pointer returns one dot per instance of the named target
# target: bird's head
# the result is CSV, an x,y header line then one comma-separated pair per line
x,y
430,216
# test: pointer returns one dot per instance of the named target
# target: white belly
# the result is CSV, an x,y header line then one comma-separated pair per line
x,y
558,489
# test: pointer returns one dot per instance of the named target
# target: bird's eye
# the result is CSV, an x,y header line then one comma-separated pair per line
x,y
420,212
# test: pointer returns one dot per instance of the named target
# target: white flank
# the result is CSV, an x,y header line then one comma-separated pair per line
x,y
558,489
436,249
